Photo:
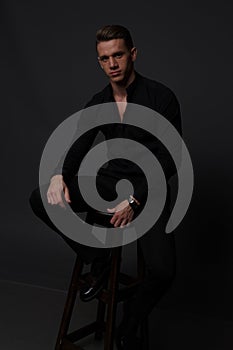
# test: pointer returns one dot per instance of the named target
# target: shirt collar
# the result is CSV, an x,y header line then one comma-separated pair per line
x,y
130,89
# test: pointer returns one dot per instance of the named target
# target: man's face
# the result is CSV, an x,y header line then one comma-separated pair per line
x,y
116,59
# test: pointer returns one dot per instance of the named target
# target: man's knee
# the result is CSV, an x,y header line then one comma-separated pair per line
x,y
36,201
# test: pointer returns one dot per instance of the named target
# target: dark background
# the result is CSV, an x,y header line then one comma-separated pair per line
x,y
49,71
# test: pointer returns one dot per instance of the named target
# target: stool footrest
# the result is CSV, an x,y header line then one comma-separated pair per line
x,y
119,287
68,345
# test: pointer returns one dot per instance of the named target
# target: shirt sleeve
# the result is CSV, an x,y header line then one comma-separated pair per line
x,y
70,162
170,109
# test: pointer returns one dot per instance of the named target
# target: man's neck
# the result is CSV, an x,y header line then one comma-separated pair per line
x,y
119,89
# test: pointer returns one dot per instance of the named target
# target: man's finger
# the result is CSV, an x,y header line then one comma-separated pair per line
x,y
67,195
123,223
118,222
113,219
48,198
57,198
62,204
52,199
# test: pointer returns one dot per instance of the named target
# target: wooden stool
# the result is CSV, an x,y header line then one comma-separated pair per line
x,y
109,297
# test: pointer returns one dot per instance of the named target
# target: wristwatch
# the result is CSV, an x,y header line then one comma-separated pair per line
x,y
133,204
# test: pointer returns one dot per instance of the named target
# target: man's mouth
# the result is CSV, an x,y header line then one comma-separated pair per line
x,y
115,73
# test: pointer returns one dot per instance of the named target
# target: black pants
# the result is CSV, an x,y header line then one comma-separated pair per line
x,y
158,247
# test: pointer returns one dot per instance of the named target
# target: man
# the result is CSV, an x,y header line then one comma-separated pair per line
x,y
116,56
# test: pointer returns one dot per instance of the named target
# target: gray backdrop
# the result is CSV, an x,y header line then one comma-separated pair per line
x,y
50,70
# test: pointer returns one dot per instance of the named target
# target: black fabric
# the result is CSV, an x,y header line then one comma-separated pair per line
x,y
88,254
106,188
158,248
144,92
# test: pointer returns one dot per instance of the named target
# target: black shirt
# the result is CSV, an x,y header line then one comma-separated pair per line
x,y
141,91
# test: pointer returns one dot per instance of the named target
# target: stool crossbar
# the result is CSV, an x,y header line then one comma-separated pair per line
x,y
107,298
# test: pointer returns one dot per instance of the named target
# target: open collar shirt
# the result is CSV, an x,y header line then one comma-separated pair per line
x,y
144,92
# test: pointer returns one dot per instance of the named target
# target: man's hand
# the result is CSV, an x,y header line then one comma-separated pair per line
x,y
54,193
123,214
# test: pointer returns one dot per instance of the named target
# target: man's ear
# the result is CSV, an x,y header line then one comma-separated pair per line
x,y
134,53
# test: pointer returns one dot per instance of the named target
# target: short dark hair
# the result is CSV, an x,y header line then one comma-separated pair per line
x,y
114,31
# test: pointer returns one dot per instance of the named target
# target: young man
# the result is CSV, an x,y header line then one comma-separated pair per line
x,y
116,56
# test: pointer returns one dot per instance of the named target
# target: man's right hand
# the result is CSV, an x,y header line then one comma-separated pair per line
x,y
54,193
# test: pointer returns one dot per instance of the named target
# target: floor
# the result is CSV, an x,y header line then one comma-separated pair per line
x,y
30,317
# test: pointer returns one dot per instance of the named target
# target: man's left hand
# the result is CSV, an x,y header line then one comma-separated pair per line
x,y
123,214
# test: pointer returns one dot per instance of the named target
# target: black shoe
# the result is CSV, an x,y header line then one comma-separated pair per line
x,y
95,280
128,342
126,335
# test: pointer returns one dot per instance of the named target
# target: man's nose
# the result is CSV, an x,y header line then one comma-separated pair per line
x,y
112,62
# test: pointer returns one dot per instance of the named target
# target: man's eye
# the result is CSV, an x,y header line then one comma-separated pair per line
x,y
119,55
103,59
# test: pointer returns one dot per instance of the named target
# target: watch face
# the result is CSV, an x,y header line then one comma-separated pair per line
x,y
131,200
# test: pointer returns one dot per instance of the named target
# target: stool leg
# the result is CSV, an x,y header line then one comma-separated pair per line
x,y
100,320
113,287
69,305
145,333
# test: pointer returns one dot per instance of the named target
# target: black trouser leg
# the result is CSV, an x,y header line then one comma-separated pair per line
x,y
88,254
160,258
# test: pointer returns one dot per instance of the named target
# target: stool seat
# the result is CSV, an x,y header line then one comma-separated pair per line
x,y
107,298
